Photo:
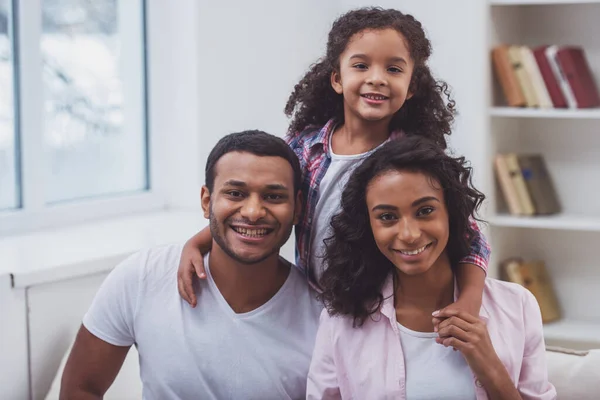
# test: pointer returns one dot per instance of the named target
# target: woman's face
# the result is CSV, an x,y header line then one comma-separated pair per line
x,y
409,219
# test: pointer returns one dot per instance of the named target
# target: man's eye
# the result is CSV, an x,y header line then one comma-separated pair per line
x,y
235,193
274,197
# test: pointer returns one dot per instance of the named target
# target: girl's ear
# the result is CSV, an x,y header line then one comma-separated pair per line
x,y
336,81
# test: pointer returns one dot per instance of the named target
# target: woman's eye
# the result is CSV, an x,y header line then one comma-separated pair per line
x,y
387,217
360,66
425,211
394,70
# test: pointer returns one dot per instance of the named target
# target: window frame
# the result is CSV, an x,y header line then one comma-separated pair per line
x,y
34,213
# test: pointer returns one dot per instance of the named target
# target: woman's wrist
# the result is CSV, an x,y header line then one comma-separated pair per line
x,y
497,382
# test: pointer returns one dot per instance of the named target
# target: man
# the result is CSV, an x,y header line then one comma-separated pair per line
x,y
252,333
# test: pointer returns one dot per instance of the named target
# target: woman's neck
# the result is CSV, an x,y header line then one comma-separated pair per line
x,y
357,136
417,296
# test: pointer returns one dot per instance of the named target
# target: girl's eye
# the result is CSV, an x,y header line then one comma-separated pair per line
x,y
360,66
394,70
425,211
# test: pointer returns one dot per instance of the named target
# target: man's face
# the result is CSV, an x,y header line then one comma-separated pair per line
x,y
252,207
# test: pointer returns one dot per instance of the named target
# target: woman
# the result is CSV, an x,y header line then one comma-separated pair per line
x,y
403,228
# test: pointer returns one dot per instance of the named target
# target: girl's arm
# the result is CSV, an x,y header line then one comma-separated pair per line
x,y
471,273
191,264
322,380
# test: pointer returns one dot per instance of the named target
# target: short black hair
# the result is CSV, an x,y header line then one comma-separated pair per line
x,y
254,142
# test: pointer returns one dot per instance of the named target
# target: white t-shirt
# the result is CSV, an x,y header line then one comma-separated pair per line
x,y
329,203
207,352
432,370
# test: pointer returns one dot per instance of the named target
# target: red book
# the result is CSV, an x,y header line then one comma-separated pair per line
x,y
577,71
556,94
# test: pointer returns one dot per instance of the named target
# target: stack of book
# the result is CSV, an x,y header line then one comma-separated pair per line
x,y
526,185
533,276
545,77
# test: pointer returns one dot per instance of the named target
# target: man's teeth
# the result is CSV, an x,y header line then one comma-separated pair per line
x,y
251,232
374,97
414,252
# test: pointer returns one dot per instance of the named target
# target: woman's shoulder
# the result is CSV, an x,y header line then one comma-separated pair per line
x,y
507,296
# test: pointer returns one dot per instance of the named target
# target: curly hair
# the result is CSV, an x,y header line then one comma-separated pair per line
x,y
356,269
429,112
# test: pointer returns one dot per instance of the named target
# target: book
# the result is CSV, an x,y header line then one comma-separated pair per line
x,y
539,184
551,52
533,276
552,85
514,54
506,76
577,72
516,175
537,82
507,187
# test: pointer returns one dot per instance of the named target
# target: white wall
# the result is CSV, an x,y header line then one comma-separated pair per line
x,y
242,59
247,56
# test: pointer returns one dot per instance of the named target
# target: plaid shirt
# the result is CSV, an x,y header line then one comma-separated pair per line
x,y
312,148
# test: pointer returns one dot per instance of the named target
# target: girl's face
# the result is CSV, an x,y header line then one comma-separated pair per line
x,y
409,220
374,76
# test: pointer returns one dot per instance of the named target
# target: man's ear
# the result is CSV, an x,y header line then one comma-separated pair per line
x,y
297,207
205,201
336,81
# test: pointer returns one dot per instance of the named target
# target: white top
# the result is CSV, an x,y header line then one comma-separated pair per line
x,y
329,202
432,370
207,352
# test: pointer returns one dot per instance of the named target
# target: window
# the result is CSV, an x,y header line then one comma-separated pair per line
x,y
94,117
9,190
80,138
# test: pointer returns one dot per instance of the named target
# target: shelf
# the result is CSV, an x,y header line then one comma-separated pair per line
x,y
539,2
557,113
573,331
560,221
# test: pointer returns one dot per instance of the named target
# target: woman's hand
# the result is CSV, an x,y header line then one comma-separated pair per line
x,y
469,335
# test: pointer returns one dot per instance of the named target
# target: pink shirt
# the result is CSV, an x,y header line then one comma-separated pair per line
x,y
368,362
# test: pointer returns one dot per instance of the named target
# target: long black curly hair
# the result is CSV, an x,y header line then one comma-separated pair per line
x,y
429,112
356,269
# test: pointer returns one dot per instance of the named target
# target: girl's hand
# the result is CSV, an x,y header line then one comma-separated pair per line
x,y
469,335
191,264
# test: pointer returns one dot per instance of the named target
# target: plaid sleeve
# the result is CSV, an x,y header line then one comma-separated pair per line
x,y
480,250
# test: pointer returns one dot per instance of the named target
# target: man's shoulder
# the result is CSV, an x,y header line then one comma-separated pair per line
x,y
302,290
154,262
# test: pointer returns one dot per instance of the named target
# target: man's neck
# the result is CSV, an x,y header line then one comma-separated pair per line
x,y
246,287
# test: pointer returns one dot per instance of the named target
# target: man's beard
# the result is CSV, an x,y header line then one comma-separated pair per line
x,y
215,231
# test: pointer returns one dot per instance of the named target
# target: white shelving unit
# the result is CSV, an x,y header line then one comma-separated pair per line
x,y
570,142
512,112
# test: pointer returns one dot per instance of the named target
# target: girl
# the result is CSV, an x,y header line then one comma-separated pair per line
x,y
395,246
373,85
